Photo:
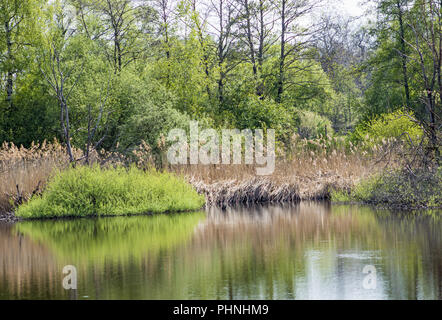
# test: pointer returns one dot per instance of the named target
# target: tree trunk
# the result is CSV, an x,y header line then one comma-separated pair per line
x,y
66,126
280,85
403,54
260,89
10,74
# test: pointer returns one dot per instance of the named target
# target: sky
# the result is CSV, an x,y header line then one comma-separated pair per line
x,y
351,7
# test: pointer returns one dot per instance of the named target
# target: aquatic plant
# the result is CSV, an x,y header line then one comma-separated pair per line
x,y
90,191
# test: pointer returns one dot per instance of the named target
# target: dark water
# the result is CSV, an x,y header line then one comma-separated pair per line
x,y
308,251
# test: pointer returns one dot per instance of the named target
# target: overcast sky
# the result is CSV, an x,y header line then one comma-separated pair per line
x,y
351,7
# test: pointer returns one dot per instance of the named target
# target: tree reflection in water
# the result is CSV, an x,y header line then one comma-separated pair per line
x,y
308,251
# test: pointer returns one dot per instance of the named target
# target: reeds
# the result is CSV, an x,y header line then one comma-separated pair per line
x,y
247,192
310,171
24,171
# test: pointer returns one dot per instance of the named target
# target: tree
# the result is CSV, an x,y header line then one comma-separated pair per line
x,y
57,67
18,19
224,30
394,11
256,24
409,45
426,44
125,22
293,37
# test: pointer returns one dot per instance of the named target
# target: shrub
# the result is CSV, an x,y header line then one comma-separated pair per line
x,y
392,125
151,124
401,189
254,113
150,115
340,196
86,191
313,126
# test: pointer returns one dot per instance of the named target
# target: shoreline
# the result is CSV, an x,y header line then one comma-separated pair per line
x,y
10,218
249,191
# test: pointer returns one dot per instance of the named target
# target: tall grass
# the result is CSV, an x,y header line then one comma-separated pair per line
x,y
24,171
90,191
308,171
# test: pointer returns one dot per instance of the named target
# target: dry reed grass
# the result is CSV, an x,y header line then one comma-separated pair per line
x,y
24,171
315,168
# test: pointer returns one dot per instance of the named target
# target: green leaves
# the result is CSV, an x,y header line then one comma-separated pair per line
x,y
397,125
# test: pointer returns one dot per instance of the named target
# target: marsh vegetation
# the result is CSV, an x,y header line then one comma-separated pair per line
x,y
349,98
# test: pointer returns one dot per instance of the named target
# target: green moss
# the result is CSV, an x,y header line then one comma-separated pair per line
x,y
86,191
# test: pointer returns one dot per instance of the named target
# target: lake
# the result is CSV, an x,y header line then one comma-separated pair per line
x,y
305,251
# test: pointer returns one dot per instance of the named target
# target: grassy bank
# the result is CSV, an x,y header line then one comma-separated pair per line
x,y
86,191
401,189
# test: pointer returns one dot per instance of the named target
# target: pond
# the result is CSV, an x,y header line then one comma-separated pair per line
x,y
304,251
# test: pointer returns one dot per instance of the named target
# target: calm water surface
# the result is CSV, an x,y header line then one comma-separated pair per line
x,y
308,251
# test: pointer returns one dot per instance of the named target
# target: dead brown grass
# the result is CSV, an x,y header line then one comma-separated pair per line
x,y
313,170
24,171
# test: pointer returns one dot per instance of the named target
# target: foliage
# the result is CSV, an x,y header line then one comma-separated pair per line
x,y
121,74
398,189
136,79
397,125
149,113
313,126
86,191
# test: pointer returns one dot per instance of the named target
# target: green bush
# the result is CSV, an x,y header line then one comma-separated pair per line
x,y
340,196
86,191
151,123
313,126
254,113
399,189
391,125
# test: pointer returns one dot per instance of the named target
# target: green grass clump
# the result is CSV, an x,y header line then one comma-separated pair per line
x,y
340,196
86,191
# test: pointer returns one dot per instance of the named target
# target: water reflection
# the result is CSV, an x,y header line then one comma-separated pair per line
x,y
309,251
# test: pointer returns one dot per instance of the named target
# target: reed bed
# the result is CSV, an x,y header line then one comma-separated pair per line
x,y
24,171
247,192
302,179
310,172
